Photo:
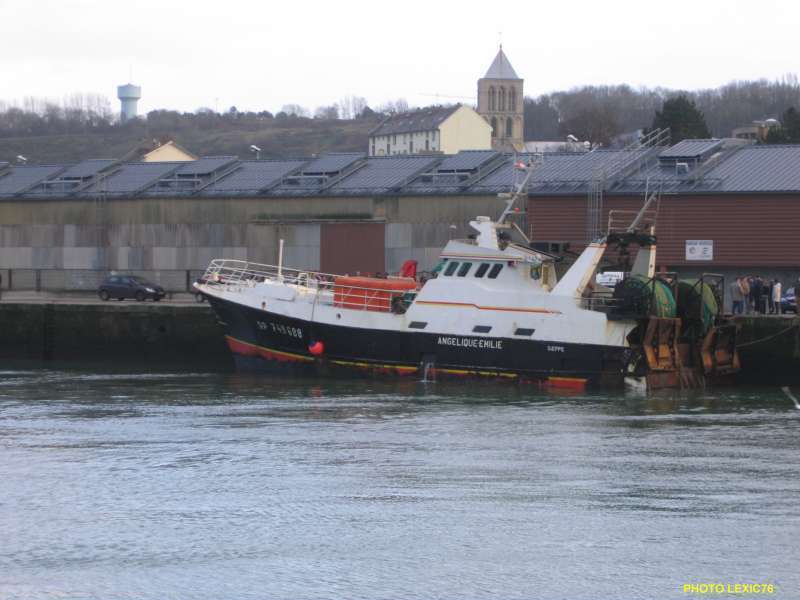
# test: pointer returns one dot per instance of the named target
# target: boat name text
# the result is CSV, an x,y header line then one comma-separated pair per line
x,y
470,342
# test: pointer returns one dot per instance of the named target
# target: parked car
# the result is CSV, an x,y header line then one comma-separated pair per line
x,y
789,301
130,286
198,295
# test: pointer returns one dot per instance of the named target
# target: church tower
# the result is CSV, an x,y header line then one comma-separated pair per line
x,y
500,103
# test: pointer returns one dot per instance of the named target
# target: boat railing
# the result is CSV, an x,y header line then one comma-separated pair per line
x,y
340,290
600,301
233,272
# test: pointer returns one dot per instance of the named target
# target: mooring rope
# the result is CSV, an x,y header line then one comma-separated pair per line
x,y
765,339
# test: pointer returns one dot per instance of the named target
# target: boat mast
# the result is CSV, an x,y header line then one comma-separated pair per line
x,y
534,160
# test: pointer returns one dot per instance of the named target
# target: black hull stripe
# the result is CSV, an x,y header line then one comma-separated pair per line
x,y
282,338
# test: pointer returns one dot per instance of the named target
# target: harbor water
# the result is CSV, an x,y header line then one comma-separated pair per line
x,y
195,485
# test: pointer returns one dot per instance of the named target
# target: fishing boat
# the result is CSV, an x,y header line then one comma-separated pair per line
x,y
493,307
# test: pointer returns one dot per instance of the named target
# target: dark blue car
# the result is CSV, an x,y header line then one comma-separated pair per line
x,y
789,302
130,286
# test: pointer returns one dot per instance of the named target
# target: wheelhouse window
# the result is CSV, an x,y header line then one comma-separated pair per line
x,y
465,267
481,329
450,269
495,271
481,270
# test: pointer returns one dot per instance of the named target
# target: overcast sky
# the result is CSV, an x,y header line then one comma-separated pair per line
x,y
261,54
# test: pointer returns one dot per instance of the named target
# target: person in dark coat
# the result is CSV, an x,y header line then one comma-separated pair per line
x,y
755,294
766,293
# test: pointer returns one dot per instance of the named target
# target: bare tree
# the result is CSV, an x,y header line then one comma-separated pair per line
x,y
327,113
351,107
394,106
294,110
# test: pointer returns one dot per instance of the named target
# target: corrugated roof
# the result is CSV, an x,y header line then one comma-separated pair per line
x,y
455,172
253,175
732,169
20,178
424,119
383,173
87,168
466,160
501,67
760,169
558,172
319,173
333,162
205,165
691,149
132,177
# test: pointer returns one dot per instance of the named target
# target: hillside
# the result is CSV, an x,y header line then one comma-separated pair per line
x,y
277,138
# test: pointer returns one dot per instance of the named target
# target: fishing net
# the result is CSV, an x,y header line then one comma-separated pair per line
x,y
697,306
641,296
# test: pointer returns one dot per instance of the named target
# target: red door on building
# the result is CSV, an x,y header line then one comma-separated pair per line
x,y
351,248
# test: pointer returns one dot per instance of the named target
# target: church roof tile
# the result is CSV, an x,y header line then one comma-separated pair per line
x,y
501,68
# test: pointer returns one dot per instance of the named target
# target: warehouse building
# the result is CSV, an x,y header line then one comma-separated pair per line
x,y
725,207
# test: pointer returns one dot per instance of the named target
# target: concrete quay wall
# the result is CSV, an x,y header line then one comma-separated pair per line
x,y
145,335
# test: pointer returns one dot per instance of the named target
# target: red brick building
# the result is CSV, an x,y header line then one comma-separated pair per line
x,y
730,209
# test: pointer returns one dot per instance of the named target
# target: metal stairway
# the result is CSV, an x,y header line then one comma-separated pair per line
x,y
628,160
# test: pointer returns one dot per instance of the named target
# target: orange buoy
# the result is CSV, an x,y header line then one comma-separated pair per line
x,y
316,348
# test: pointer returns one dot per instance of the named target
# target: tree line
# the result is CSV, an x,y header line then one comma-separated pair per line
x,y
88,113
601,114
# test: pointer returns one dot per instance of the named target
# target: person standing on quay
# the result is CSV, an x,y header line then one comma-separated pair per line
x,y
736,296
744,285
769,306
755,294
777,288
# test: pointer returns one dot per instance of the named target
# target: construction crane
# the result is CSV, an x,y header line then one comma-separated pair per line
x,y
451,97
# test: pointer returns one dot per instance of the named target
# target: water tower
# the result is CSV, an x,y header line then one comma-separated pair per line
x,y
128,95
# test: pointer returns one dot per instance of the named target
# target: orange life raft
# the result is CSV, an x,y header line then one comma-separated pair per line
x,y
369,293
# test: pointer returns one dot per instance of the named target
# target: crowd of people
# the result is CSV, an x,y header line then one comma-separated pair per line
x,y
754,294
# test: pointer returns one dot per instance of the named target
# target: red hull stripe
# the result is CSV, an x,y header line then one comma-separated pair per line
x,y
571,383
248,349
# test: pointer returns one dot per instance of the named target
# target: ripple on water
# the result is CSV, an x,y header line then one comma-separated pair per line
x,y
194,486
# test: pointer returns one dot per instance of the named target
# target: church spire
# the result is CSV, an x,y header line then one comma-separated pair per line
x,y
501,67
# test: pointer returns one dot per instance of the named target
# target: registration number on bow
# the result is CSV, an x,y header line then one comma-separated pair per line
x,y
281,329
